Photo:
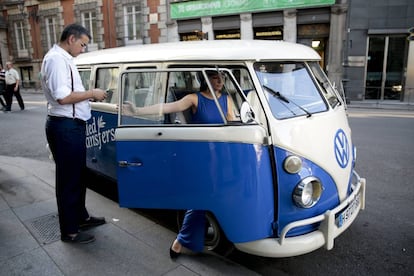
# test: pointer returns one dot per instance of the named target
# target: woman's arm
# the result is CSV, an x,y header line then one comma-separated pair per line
x,y
230,116
162,108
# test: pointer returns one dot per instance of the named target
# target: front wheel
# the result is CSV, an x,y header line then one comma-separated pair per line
x,y
215,240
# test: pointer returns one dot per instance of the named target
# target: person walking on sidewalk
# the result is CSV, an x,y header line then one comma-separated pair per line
x,y
68,110
12,87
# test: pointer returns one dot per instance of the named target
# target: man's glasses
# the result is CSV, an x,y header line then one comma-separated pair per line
x,y
84,45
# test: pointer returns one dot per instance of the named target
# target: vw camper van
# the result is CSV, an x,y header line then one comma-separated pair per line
x,y
276,181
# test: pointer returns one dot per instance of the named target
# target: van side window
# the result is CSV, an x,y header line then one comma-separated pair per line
x,y
243,78
138,88
142,89
155,96
107,79
181,84
85,75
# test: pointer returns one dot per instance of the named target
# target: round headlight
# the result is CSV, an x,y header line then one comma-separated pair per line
x,y
292,164
308,192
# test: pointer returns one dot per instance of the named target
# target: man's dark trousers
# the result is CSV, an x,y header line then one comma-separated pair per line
x,y
66,138
8,96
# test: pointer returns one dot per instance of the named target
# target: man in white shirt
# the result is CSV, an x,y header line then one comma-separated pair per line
x,y
68,110
12,78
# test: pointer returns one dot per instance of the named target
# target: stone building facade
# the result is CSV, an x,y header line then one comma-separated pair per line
x,y
363,43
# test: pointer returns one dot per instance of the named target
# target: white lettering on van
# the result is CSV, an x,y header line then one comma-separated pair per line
x,y
95,136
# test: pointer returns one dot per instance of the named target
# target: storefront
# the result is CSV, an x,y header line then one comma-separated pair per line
x,y
306,22
379,57
385,67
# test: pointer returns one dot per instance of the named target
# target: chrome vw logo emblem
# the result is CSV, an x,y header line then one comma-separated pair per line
x,y
341,148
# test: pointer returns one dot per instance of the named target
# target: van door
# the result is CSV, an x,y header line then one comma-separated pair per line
x,y
100,129
169,163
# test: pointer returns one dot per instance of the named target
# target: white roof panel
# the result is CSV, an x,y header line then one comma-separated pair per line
x,y
202,50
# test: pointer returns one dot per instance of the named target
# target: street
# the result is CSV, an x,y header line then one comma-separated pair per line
x,y
22,133
381,240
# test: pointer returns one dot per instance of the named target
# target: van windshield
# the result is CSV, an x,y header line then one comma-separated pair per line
x,y
290,89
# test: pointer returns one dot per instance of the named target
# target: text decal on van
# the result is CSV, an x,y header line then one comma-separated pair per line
x,y
96,135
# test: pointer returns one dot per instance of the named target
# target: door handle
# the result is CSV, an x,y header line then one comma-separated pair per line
x,y
124,164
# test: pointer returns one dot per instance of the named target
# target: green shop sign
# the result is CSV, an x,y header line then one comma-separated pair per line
x,y
199,8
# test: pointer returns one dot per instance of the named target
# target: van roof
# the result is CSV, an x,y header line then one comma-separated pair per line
x,y
201,50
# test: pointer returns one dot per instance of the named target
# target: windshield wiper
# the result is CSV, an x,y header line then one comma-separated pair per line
x,y
278,95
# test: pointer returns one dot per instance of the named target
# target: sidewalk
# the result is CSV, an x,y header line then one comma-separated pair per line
x,y
128,244
376,104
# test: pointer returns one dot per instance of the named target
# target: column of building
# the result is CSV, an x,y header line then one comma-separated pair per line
x,y
336,42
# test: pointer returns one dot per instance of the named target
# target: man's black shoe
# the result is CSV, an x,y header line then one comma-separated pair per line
x,y
91,222
79,238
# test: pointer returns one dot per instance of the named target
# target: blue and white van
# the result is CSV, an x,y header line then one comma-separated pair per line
x,y
279,181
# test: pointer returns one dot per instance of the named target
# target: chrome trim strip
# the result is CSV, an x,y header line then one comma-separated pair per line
x,y
253,134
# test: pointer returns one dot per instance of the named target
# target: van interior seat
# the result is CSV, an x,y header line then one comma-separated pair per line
x,y
140,96
176,94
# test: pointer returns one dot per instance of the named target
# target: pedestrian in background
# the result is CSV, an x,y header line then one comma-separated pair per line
x,y
12,87
68,110
2,86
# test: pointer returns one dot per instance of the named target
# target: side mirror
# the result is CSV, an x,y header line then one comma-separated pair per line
x,y
246,113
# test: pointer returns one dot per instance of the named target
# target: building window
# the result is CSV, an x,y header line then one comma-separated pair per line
x,y
385,67
51,31
268,33
195,35
20,39
132,23
26,73
89,21
227,34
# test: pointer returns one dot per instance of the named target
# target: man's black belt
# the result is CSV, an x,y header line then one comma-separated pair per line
x,y
58,118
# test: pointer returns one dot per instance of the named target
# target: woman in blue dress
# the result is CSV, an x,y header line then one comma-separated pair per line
x,y
204,111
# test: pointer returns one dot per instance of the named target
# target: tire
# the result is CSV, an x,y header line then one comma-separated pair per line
x,y
215,240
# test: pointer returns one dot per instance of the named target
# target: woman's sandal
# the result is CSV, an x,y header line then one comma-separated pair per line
x,y
173,254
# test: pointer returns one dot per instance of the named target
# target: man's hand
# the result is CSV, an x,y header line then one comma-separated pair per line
x,y
98,94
